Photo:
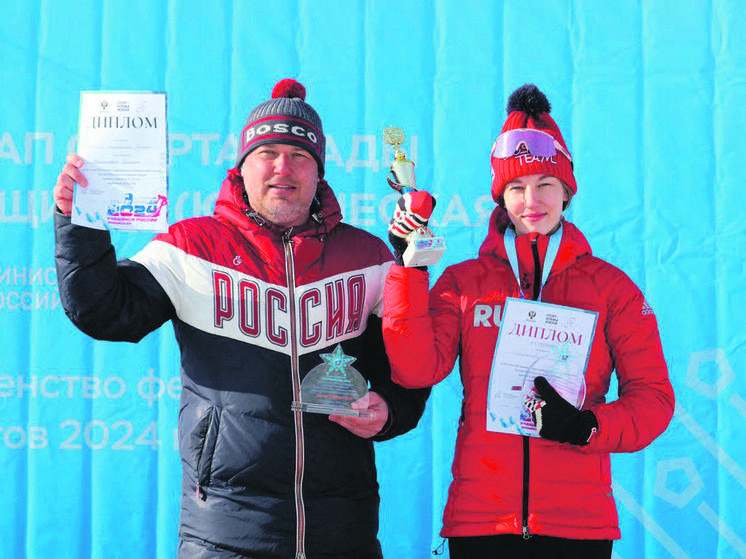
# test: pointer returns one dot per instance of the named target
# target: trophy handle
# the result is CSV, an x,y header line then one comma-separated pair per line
x,y
400,188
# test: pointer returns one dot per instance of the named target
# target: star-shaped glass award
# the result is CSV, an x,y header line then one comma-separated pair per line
x,y
332,386
337,361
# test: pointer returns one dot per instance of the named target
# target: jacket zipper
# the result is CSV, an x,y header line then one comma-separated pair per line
x,y
204,464
537,268
300,512
526,440
526,533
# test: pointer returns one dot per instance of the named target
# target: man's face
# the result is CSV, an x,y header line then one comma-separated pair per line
x,y
280,181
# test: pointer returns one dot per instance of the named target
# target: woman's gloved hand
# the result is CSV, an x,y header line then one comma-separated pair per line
x,y
557,419
413,210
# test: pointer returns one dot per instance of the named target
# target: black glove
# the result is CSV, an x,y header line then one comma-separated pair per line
x,y
558,420
412,211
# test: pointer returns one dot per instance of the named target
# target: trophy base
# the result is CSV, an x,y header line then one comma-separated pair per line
x,y
309,407
423,249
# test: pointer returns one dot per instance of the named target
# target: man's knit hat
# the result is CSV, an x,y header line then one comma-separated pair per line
x,y
528,109
285,119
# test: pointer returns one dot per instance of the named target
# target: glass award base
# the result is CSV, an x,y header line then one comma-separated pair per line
x,y
332,387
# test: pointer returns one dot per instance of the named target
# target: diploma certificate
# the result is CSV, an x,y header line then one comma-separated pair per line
x,y
122,138
537,339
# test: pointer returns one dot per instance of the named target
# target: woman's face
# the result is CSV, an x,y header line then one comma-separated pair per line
x,y
534,203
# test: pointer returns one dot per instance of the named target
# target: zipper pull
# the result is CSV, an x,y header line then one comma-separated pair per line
x,y
258,219
526,534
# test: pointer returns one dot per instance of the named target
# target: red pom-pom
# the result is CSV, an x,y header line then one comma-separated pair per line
x,y
289,88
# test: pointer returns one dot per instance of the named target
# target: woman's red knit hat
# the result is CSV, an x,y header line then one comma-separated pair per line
x,y
529,108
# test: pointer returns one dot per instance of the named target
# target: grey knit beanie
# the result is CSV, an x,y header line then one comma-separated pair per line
x,y
285,119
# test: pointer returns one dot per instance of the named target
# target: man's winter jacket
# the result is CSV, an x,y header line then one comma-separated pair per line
x,y
253,308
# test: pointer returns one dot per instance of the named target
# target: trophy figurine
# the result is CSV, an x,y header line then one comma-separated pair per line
x,y
333,386
424,249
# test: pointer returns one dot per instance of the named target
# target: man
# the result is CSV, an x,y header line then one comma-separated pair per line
x,y
256,294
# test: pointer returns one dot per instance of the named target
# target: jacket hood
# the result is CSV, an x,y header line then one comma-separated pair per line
x,y
573,246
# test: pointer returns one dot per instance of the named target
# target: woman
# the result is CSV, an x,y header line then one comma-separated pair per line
x,y
547,495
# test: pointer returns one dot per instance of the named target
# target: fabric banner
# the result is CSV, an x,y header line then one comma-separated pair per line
x,y
649,95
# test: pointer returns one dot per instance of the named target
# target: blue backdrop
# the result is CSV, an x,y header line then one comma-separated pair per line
x,y
649,95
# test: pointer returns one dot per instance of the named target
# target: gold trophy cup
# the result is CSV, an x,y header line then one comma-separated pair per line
x,y
423,249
